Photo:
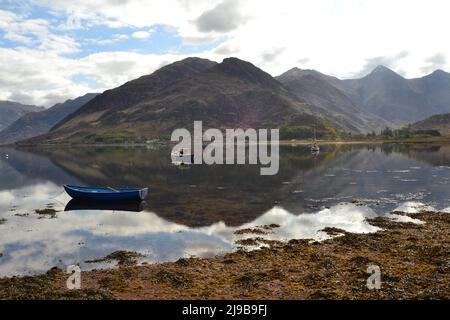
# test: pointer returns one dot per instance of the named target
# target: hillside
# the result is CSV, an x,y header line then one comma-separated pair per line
x,y
381,95
11,111
37,123
330,95
399,100
439,122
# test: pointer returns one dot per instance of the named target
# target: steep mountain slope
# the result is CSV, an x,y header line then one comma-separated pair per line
x,y
399,100
333,97
436,89
232,94
37,123
143,88
440,122
11,111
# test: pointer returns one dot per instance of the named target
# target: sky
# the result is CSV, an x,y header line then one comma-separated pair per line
x,y
53,50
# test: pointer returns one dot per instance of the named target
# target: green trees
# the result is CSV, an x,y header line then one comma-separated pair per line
x,y
406,132
387,133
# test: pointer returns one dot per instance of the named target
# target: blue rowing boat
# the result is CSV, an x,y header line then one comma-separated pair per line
x,y
106,194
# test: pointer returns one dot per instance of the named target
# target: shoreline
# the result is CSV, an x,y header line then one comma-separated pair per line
x,y
411,258
368,141
441,140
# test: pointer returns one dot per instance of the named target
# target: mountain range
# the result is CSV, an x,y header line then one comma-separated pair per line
x,y
11,111
231,94
382,98
33,124
399,100
335,100
237,94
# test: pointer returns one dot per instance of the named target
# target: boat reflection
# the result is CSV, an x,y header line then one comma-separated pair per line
x,y
130,206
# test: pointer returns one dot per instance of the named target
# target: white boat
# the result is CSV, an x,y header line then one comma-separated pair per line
x,y
182,157
315,147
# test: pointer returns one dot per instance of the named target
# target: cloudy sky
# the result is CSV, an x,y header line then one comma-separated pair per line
x,y
51,50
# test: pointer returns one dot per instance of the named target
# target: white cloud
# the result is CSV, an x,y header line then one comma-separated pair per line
x,y
222,18
35,77
142,34
437,61
340,38
36,33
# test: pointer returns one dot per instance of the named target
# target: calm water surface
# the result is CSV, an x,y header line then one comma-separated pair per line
x,y
195,211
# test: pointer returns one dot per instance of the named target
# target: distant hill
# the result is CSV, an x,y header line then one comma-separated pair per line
x,y
399,100
11,111
439,122
232,94
37,123
381,95
331,95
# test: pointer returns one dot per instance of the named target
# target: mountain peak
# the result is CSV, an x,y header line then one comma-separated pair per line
x,y
195,60
381,68
186,65
383,72
440,73
297,72
294,70
245,70
234,63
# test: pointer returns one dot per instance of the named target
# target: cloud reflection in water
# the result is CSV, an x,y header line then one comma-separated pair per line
x,y
34,244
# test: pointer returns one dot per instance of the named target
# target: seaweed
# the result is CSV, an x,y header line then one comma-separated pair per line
x,y
123,258
47,212
414,261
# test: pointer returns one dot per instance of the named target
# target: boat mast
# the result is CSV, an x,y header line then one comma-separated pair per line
x,y
315,138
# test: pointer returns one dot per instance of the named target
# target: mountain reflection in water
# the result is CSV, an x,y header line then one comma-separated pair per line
x,y
196,211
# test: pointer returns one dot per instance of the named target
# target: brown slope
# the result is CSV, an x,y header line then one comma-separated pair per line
x,y
231,94
140,89
439,122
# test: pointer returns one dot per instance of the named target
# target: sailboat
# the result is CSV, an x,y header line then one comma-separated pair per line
x,y
182,157
315,147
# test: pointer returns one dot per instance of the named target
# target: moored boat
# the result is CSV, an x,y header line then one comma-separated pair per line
x,y
182,157
315,147
106,194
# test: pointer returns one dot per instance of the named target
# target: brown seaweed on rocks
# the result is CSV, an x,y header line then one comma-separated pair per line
x,y
414,261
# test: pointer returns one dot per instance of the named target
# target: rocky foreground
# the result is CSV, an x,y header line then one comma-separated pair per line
x,y
414,260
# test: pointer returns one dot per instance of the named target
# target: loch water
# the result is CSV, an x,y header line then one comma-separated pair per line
x,y
195,210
